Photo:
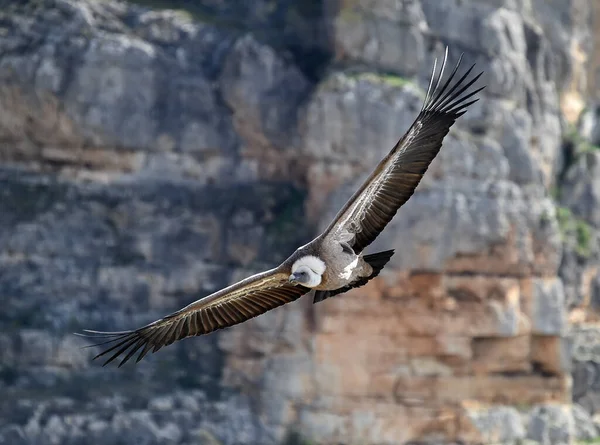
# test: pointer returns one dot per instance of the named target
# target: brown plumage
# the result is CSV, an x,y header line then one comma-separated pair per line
x,y
395,178
232,305
333,262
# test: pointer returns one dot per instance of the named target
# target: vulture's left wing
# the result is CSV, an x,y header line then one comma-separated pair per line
x,y
395,178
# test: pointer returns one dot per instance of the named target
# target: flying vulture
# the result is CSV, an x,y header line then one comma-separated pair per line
x,y
333,262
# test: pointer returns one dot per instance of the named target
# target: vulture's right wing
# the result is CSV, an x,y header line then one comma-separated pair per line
x,y
232,305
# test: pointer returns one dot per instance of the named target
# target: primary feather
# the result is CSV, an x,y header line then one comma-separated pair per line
x,y
232,305
395,178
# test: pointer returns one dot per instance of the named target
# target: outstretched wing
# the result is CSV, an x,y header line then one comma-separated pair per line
x,y
232,305
395,178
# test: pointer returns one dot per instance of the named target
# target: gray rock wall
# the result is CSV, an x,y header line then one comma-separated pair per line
x,y
149,158
127,193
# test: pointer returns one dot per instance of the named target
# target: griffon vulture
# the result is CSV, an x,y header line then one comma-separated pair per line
x,y
333,262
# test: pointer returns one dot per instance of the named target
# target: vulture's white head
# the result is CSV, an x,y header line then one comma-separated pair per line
x,y
307,271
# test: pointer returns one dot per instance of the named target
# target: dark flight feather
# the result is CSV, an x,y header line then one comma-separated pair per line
x,y
395,178
237,303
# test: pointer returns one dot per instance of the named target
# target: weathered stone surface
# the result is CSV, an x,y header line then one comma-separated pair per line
x,y
585,340
546,306
266,108
487,389
511,354
551,354
153,158
585,430
551,424
201,421
500,424
588,127
433,307
384,34
581,189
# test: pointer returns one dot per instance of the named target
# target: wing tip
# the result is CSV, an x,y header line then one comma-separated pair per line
x,y
123,339
451,98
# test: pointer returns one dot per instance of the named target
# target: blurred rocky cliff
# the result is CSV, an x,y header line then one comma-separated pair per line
x,y
151,156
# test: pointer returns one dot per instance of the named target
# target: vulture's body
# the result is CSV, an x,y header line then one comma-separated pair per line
x,y
333,262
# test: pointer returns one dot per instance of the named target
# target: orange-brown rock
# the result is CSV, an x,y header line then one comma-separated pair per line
x,y
436,342
496,389
550,354
433,304
501,354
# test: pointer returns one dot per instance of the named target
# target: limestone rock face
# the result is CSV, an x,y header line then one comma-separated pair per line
x,y
149,157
